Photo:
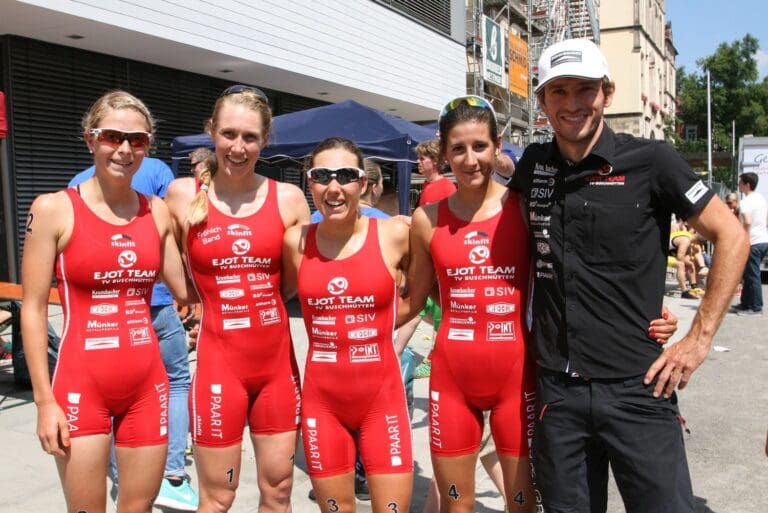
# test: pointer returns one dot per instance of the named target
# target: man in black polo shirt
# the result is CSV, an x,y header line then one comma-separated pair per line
x,y
599,217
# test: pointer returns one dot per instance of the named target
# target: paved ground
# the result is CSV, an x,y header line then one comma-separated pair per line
x,y
726,407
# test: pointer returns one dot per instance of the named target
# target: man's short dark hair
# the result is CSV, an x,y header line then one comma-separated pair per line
x,y
749,179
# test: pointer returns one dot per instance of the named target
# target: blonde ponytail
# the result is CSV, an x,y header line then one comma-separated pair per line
x,y
198,209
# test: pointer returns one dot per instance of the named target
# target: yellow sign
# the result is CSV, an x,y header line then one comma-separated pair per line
x,y
518,66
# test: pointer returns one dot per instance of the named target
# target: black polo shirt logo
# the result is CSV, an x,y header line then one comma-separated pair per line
x,y
606,169
606,180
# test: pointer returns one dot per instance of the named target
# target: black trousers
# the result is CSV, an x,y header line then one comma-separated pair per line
x,y
583,425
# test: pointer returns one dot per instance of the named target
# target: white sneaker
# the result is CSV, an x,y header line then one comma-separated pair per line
x,y
182,497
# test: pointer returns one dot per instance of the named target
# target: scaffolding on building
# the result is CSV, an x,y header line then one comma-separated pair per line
x,y
540,23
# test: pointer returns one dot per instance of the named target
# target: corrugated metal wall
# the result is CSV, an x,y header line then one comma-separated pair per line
x,y
48,89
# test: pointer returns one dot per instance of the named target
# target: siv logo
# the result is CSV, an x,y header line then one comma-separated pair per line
x,y
479,254
241,247
126,259
338,285
358,318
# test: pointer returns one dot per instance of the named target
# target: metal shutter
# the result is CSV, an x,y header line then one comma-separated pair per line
x,y
48,89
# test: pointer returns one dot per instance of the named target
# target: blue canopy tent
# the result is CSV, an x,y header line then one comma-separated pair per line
x,y
378,134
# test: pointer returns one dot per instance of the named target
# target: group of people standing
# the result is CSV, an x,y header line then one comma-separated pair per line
x,y
573,372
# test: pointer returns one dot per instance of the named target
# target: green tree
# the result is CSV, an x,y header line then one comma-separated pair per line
x,y
737,95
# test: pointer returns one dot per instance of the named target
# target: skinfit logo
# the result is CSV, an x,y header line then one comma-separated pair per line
x,y
121,240
338,285
241,247
126,259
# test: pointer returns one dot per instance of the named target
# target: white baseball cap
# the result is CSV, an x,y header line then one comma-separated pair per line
x,y
574,58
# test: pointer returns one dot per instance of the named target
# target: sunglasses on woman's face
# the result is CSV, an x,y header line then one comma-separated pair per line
x,y
114,138
343,175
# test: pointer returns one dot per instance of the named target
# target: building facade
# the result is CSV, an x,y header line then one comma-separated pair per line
x,y
641,55
57,56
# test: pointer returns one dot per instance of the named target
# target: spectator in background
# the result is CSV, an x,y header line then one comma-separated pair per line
x,y
436,186
753,212
200,159
732,201
680,241
152,178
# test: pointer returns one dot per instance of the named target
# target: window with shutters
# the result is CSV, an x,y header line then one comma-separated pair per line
x,y
433,13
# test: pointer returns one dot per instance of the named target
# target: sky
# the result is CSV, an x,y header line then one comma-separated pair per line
x,y
699,26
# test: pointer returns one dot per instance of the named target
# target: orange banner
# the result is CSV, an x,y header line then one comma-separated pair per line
x,y
518,66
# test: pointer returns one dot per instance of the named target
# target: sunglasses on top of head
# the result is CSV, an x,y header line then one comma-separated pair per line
x,y
240,88
114,138
471,100
343,175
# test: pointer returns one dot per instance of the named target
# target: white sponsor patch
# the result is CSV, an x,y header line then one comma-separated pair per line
x,y
461,334
231,293
501,331
102,343
397,461
464,292
500,308
269,316
311,423
696,191
73,398
358,318
233,309
323,356
237,324
364,353
140,336
324,320
434,395
363,333
163,430
105,294
216,388
103,309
